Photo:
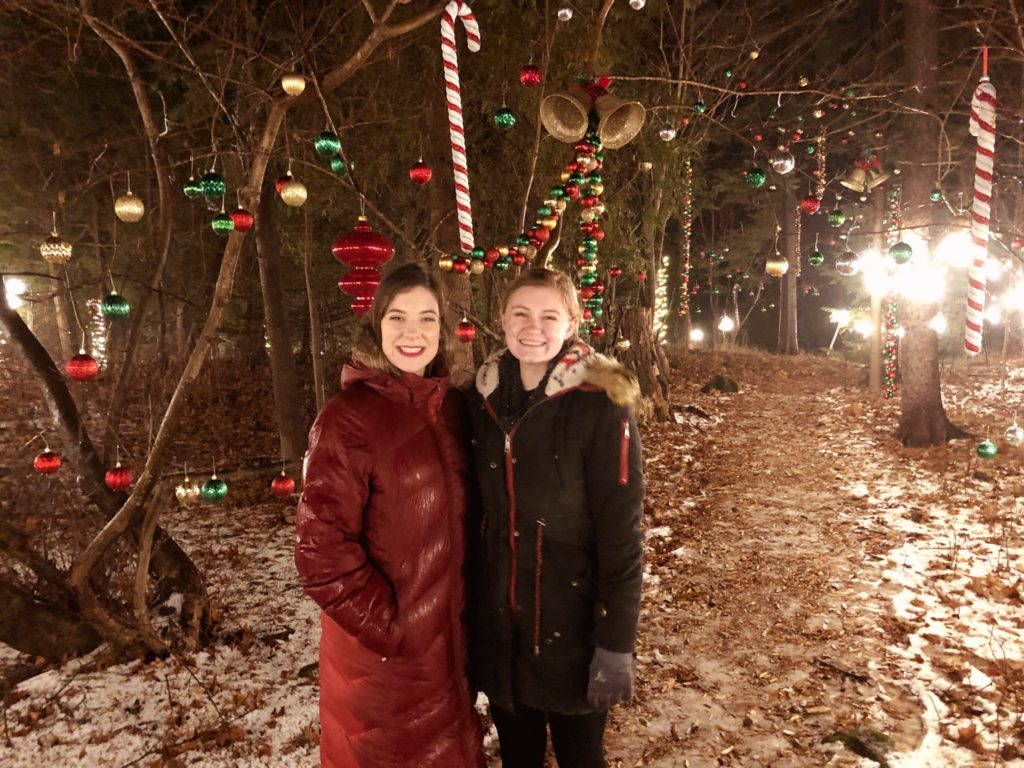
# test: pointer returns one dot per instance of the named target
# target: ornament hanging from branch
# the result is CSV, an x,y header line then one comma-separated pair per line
x,y
456,9
364,251
47,462
129,208
982,127
55,249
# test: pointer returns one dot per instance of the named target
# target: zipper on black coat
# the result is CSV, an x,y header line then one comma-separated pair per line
x,y
536,587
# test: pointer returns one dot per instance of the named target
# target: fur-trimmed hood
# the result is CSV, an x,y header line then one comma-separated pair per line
x,y
579,367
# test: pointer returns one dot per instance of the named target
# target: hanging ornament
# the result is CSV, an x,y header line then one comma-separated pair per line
x,y
47,462
128,208
776,265
836,218
815,258
810,204
530,75
465,331
293,193
935,195
1014,435
420,173
339,166
504,118
55,249
637,5
282,486
782,161
293,83
986,449
115,306
187,492
615,273
700,107
565,13
212,186
222,223
82,367
983,127
242,219
283,179
327,144
755,177
667,133
192,188
901,253
364,250
118,479
847,264
214,490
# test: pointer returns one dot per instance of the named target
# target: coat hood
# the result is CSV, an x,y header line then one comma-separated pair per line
x,y
578,367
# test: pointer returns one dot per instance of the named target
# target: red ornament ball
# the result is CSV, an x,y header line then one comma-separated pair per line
x,y
598,286
118,479
281,181
641,276
530,75
586,293
282,486
758,137
360,283
810,204
1017,244
420,173
47,462
518,259
572,190
491,255
597,331
465,331
242,218
597,232
82,367
615,272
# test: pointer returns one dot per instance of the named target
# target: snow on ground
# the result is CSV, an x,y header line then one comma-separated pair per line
x,y
794,588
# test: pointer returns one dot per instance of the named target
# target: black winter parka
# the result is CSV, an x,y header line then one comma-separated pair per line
x,y
555,548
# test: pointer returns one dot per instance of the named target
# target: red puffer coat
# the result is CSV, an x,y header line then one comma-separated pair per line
x,y
380,547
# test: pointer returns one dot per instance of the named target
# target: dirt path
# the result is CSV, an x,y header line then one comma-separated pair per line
x,y
764,630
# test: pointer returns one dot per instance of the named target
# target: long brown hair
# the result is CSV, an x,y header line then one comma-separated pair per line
x,y
368,347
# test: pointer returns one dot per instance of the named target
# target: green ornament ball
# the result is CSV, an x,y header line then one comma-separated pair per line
x,y
543,210
214,490
503,263
477,253
558,192
986,450
755,177
115,306
836,218
192,188
700,107
936,195
588,278
212,185
901,253
327,144
815,258
728,73
222,224
339,166
504,119
809,149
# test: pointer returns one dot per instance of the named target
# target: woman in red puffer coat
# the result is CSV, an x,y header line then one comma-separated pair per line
x,y
380,546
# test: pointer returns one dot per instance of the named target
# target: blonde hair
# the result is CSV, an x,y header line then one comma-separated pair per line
x,y
542,277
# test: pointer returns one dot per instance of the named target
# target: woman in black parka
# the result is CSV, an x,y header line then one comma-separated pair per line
x,y
555,552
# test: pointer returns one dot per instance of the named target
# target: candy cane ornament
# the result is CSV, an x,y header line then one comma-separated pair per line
x,y
458,9
983,127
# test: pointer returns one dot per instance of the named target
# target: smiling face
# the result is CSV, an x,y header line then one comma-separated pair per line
x,y
410,330
536,323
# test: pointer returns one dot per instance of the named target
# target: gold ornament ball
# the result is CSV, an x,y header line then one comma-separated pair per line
x,y
445,263
294,193
188,493
55,250
589,214
561,204
776,265
293,84
565,176
646,165
530,252
476,267
597,189
598,209
549,222
129,208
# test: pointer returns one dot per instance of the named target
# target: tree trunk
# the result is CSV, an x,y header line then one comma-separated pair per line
x,y
67,332
285,379
788,343
41,629
642,357
316,350
922,418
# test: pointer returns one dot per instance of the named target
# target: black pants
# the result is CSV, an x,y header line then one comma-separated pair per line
x,y
578,740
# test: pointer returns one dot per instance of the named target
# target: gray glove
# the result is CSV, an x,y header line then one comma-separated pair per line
x,y
611,679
